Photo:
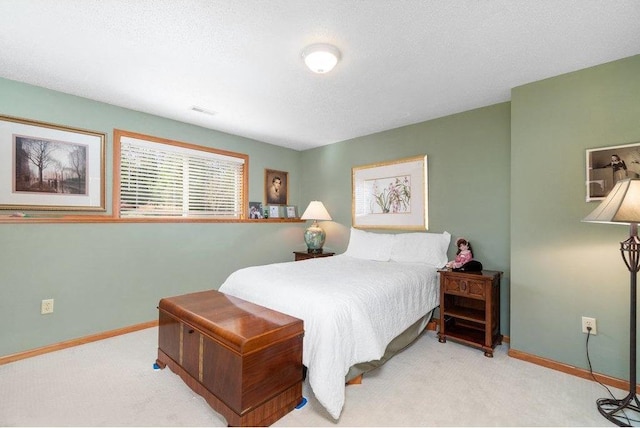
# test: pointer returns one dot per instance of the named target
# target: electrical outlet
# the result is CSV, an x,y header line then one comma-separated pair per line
x,y
589,322
46,307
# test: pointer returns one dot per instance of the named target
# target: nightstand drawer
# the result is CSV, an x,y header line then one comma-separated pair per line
x,y
467,287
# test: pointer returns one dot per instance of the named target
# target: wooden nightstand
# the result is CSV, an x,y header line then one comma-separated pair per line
x,y
303,255
470,308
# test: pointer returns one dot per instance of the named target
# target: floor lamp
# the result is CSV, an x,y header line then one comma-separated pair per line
x,y
622,205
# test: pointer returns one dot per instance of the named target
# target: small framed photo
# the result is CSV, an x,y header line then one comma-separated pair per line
x,y
291,211
276,184
255,210
607,165
274,211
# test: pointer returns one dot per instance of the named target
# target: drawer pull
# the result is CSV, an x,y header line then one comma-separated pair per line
x,y
191,331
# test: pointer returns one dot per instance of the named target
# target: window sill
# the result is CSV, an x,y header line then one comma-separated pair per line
x,y
43,218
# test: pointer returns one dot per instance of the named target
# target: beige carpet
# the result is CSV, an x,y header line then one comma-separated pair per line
x,y
112,383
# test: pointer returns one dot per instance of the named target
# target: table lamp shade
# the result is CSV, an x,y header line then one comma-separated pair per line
x,y
316,211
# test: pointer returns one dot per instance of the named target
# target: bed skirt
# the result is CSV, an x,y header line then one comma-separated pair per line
x,y
403,340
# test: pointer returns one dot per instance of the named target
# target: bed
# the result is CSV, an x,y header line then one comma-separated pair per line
x,y
354,304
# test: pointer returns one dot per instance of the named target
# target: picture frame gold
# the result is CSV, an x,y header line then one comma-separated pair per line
x,y
50,167
276,187
391,195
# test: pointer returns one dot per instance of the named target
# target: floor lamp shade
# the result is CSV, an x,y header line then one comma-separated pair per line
x,y
314,236
622,205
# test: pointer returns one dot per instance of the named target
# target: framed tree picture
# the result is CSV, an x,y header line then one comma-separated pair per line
x,y
50,167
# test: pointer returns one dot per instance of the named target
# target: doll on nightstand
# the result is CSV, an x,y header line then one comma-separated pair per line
x,y
463,256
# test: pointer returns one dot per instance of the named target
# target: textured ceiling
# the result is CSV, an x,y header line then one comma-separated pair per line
x,y
403,61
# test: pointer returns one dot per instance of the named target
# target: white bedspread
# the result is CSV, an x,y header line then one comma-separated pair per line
x,y
351,308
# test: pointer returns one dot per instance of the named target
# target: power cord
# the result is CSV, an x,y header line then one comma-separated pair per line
x,y
591,368
602,384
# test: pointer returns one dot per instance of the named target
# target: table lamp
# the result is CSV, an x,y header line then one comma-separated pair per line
x,y
314,235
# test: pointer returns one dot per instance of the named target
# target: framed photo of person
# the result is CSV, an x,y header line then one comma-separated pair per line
x,y
276,184
608,165
255,210
291,211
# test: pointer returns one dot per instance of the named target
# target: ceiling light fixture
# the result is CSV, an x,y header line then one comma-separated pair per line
x,y
321,57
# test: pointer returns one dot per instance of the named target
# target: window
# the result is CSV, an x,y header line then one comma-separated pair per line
x,y
157,178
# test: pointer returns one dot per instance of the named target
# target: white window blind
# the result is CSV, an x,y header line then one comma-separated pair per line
x,y
164,180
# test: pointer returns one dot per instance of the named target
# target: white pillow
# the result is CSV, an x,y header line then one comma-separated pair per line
x,y
429,248
369,245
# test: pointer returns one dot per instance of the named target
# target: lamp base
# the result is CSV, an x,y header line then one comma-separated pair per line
x,y
314,238
620,412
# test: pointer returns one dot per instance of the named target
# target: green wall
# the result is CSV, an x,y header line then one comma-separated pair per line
x,y
562,268
468,180
108,276
510,177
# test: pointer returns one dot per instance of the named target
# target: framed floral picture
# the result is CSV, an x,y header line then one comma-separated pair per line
x,y
391,195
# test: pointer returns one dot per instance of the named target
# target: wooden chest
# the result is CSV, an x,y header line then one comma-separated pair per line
x,y
244,359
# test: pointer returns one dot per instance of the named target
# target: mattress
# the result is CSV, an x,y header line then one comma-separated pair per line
x,y
351,308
